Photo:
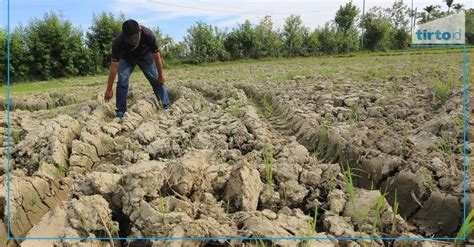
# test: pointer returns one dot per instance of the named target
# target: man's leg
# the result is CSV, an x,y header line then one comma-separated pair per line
x,y
149,70
124,71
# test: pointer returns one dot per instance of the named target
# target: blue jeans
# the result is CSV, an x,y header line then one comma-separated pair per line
x,y
149,70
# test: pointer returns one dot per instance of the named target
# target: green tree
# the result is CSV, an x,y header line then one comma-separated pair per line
x,y
310,43
56,48
166,45
345,22
458,7
345,17
19,56
177,51
378,32
242,42
399,16
328,39
430,13
268,40
293,31
449,3
3,56
104,29
205,44
470,26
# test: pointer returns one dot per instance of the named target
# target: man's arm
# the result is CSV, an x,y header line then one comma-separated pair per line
x,y
110,82
159,67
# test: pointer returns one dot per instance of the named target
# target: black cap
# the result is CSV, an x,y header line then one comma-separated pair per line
x,y
130,29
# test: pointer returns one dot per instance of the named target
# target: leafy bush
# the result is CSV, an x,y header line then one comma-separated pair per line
x,y
205,44
105,27
293,32
55,48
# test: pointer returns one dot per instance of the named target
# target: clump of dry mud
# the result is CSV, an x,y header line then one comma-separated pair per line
x,y
242,161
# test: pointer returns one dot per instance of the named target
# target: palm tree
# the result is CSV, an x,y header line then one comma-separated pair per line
x,y
458,7
430,9
449,3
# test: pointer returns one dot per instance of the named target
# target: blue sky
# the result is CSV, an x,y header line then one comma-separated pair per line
x,y
174,17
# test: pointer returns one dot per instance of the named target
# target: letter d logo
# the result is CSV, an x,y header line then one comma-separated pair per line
x,y
457,35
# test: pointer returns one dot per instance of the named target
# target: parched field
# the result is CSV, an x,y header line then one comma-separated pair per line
x,y
367,146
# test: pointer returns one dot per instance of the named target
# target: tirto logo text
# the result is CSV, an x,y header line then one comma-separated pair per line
x,y
450,29
438,35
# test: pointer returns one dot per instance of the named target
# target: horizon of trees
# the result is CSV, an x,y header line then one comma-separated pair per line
x,y
49,48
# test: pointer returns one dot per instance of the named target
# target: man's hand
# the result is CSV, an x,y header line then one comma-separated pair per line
x,y
161,79
108,95
110,81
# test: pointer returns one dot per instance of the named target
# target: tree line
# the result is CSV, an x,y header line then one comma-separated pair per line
x,y
49,47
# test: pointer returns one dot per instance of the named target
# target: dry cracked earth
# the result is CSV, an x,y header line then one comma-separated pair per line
x,y
239,159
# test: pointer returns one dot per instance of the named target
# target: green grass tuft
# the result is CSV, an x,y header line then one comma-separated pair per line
x,y
467,228
268,165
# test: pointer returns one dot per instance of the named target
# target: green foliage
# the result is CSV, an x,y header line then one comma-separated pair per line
x,y
328,39
205,44
268,164
105,28
170,51
345,17
399,16
378,30
311,43
293,32
347,176
466,228
242,42
449,3
470,26
348,37
16,136
19,57
430,13
55,48
62,167
267,106
377,224
269,43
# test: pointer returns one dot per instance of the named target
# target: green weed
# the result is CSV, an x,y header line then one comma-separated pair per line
x,y
347,176
84,222
40,166
459,121
235,109
268,165
267,106
259,241
445,146
467,228
378,211
62,167
16,136
227,207
311,226
355,112
162,206
442,89
331,89
34,200
315,218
